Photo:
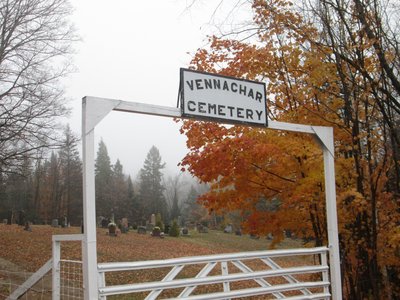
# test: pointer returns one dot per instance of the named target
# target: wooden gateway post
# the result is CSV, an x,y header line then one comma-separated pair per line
x,y
203,96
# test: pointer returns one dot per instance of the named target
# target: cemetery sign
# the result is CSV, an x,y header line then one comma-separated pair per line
x,y
227,99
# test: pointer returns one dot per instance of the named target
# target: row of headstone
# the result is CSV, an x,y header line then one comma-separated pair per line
x,y
14,217
229,229
27,225
201,228
61,222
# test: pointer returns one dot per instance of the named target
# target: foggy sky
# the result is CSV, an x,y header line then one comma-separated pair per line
x,y
132,51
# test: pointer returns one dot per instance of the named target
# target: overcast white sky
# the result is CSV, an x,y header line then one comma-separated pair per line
x,y
132,51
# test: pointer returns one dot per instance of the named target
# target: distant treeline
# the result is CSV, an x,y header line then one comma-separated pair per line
x,y
49,187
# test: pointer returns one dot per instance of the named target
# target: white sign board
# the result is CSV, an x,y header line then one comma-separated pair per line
x,y
228,99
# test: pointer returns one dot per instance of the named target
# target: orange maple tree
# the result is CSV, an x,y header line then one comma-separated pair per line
x,y
249,168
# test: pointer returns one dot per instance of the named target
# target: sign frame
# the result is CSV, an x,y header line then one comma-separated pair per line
x,y
185,114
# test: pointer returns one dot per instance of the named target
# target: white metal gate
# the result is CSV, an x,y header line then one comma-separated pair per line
x,y
226,276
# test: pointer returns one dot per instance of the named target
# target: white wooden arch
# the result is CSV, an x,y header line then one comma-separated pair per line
x,y
94,109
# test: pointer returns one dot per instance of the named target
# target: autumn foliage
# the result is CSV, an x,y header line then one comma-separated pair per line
x,y
275,179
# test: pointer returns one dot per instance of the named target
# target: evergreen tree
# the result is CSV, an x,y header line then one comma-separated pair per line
x,y
47,189
54,186
39,187
71,170
151,189
175,210
18,191
44,189
174,230
119,197
103,179
133,203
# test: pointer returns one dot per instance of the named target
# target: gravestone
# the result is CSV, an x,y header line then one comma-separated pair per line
x,y
28,227
156,231
64,221
54,223
112,229
104,223
228,228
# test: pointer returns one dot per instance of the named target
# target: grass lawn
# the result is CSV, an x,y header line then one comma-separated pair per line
x,y
235,243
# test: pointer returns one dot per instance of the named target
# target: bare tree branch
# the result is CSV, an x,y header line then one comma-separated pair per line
x,y
36,40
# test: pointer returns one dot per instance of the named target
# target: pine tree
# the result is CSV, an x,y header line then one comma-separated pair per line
x,y
71,172
48,189
42,197
54,180
151,190
103,177
119,198
175,210
18,189
174,230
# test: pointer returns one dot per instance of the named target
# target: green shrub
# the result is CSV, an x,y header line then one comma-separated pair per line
x,y
160,225
159,222
174,230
